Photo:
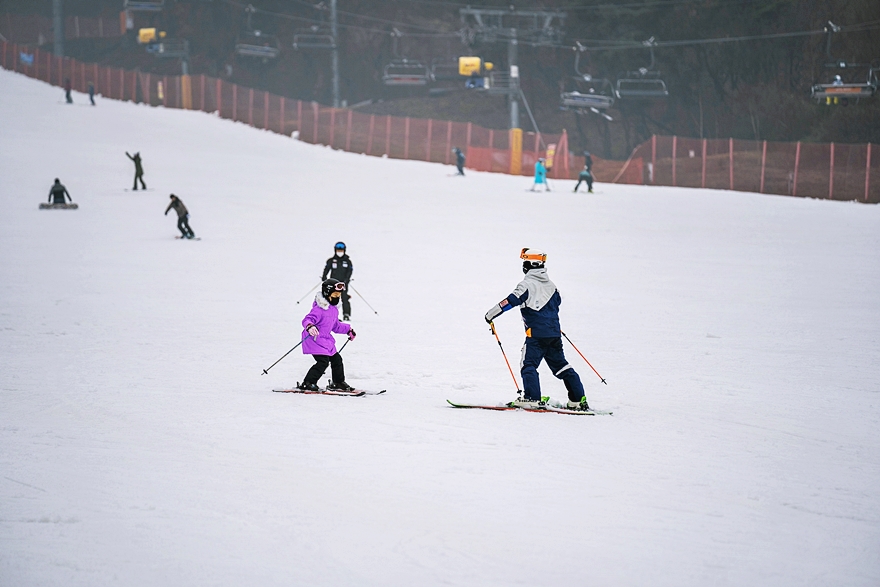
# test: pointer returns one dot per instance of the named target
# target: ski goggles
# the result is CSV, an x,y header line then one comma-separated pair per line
x,y
339,286
539,257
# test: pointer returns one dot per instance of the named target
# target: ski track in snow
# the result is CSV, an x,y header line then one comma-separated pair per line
x,y
139,444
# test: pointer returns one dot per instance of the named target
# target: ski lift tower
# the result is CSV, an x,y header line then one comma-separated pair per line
x,y
533,27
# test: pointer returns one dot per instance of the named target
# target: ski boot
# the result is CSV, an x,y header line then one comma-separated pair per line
x,y
306,386
579,406
341,386
346,317
535,404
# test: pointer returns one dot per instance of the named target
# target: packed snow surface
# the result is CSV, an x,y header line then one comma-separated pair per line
x,y
140,445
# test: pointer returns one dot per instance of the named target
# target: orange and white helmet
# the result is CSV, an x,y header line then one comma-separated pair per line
x,y
533,258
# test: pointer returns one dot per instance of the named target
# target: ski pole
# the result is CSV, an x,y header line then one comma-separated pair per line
x,y
343,346
515,382
584,358
266,371
307,293
365,301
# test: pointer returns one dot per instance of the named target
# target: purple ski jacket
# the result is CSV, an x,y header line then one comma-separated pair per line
x,y
326,318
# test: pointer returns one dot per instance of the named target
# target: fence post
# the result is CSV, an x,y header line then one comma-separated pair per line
x,y
388,136
763,166
515,150
348,132
868,172
674,152
109,93
797,161
370,136
406,138
469,129
653,157
251,107
428,146
315,130
234,102
122,84
165,91
703,184
266,110
15,57
147,96
282,100
448,140
332,126
730,157
831,175
299,117
202,90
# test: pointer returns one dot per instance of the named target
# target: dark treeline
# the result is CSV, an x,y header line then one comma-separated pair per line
x,y
750,89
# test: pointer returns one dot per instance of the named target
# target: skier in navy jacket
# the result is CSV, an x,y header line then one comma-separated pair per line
x,y
539,300
340,268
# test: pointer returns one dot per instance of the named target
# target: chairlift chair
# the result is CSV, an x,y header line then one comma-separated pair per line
x,y
839,91
405,72
591,92
643,84
313,38
144,5
258,44
171,48
444,71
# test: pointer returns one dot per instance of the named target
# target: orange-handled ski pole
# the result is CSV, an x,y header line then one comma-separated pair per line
x,y
515,382
584,358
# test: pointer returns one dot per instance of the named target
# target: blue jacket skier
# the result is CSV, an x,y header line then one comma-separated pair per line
x,y
540,300
585,176
540,176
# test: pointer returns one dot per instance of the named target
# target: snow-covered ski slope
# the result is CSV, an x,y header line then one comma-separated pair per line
x,y
140,446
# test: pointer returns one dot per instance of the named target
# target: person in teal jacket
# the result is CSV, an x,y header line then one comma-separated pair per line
x,y
540,176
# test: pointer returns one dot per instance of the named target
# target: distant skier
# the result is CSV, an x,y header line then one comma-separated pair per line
x,y
67,89
459,160
540,176
339,267
57,193
92,93
540,302
182,216
318,326
588,161
138,170
587,177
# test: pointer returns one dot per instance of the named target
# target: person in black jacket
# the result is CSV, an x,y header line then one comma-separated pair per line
x,y
57,193
459,160
182,216
339,267
588,161
138,170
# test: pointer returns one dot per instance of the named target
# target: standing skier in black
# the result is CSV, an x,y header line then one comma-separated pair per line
x,y
588,161
459,160
182,216
339,267
57,193
138,170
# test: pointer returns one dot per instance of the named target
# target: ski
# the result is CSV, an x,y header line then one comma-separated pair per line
x,y
366,392
546,409
322,392
195,238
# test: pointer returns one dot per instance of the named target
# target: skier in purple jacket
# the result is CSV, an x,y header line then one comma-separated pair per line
x,y
318,328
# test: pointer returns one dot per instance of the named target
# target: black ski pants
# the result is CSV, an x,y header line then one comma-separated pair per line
x,y
139,176
337,371
183,225
589,183
346,302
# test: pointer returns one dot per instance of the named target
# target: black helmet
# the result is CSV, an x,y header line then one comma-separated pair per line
x,y
340,246
331,285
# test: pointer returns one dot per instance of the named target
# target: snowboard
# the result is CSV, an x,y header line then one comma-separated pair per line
x,y
548,409
47,206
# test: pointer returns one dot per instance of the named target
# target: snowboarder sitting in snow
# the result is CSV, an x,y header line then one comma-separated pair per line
x,y
540,176
318,326
459,160
540,302
182,216
585,176
57,193
138,170
339,267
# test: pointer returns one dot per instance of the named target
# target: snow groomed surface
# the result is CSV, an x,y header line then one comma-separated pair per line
x,y
140,445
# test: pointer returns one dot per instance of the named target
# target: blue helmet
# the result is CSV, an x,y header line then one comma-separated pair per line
x,y
340,246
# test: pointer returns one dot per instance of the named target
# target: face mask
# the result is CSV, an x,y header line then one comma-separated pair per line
x,y
333,301
339,252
